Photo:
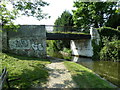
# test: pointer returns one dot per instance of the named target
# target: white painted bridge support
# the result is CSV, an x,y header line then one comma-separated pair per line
x,y
84,47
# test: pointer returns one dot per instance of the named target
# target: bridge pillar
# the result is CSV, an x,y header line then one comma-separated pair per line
x,y
84,47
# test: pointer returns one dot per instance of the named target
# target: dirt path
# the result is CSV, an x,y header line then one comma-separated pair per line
x,y
59,75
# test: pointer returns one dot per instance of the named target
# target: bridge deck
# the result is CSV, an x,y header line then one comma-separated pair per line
x,y
61,36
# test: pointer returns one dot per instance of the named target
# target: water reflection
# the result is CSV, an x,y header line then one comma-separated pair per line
x,y
84,61
106,69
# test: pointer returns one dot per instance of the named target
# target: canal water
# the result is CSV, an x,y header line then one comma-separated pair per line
x,y
106,69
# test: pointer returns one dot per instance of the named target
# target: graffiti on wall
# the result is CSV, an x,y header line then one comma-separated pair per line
x,y
37,47
24,44
19,44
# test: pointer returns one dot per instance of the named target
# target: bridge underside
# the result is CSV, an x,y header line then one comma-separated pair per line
x,y
61,36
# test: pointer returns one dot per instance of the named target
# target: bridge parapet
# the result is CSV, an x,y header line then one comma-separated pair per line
x,y
62,29
65,33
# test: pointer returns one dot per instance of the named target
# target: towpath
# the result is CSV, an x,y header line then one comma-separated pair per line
x,y
59,76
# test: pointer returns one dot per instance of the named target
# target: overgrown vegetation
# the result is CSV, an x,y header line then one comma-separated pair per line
x,y
30,72
54,47
85,78
108,47
111,51
71,32
108,32
96,50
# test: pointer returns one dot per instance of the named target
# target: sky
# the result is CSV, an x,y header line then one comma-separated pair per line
x,y
55,9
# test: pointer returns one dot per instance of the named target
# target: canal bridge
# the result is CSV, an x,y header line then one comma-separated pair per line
x,y
30,40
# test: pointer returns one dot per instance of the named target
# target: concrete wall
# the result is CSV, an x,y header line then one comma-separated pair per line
x,y
84,47
4,42
95,35
0,39
29,40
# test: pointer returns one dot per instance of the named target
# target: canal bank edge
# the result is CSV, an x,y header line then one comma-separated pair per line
x,y
76,71
105,80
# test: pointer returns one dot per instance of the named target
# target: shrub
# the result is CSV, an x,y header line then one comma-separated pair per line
x,y
107,34
67,50
111,51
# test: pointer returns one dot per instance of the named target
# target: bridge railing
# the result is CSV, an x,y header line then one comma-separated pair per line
x,y
60,29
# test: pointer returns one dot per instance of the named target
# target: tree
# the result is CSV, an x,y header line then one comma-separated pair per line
x,y
94,14
113,21
64,20
20,7
63,23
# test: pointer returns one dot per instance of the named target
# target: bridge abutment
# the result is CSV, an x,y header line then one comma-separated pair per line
x,y
29,40
84,47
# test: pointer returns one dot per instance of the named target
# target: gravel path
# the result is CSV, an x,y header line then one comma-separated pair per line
x,y
59,75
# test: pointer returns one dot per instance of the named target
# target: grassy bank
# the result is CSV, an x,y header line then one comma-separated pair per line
x,y
84,77
28,71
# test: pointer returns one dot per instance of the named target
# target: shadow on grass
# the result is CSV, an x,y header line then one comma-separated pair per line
x,y
26,57
85,78
28,71
89,80
29,77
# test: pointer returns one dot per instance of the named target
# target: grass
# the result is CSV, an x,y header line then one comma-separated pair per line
x,y
70,32
28,71
84,77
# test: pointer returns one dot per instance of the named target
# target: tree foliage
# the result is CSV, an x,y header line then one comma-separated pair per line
x,y
94,14
6,16
31,8
64,20
114,21
20,7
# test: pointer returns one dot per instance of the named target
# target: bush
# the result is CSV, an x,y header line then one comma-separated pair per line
x,y
67,50
107,34
54,46
111,51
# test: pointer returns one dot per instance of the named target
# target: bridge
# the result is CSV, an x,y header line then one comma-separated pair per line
x,y
64,33
30,40
61,36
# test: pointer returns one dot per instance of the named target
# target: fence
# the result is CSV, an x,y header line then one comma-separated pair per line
x,y
3,78
56,28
